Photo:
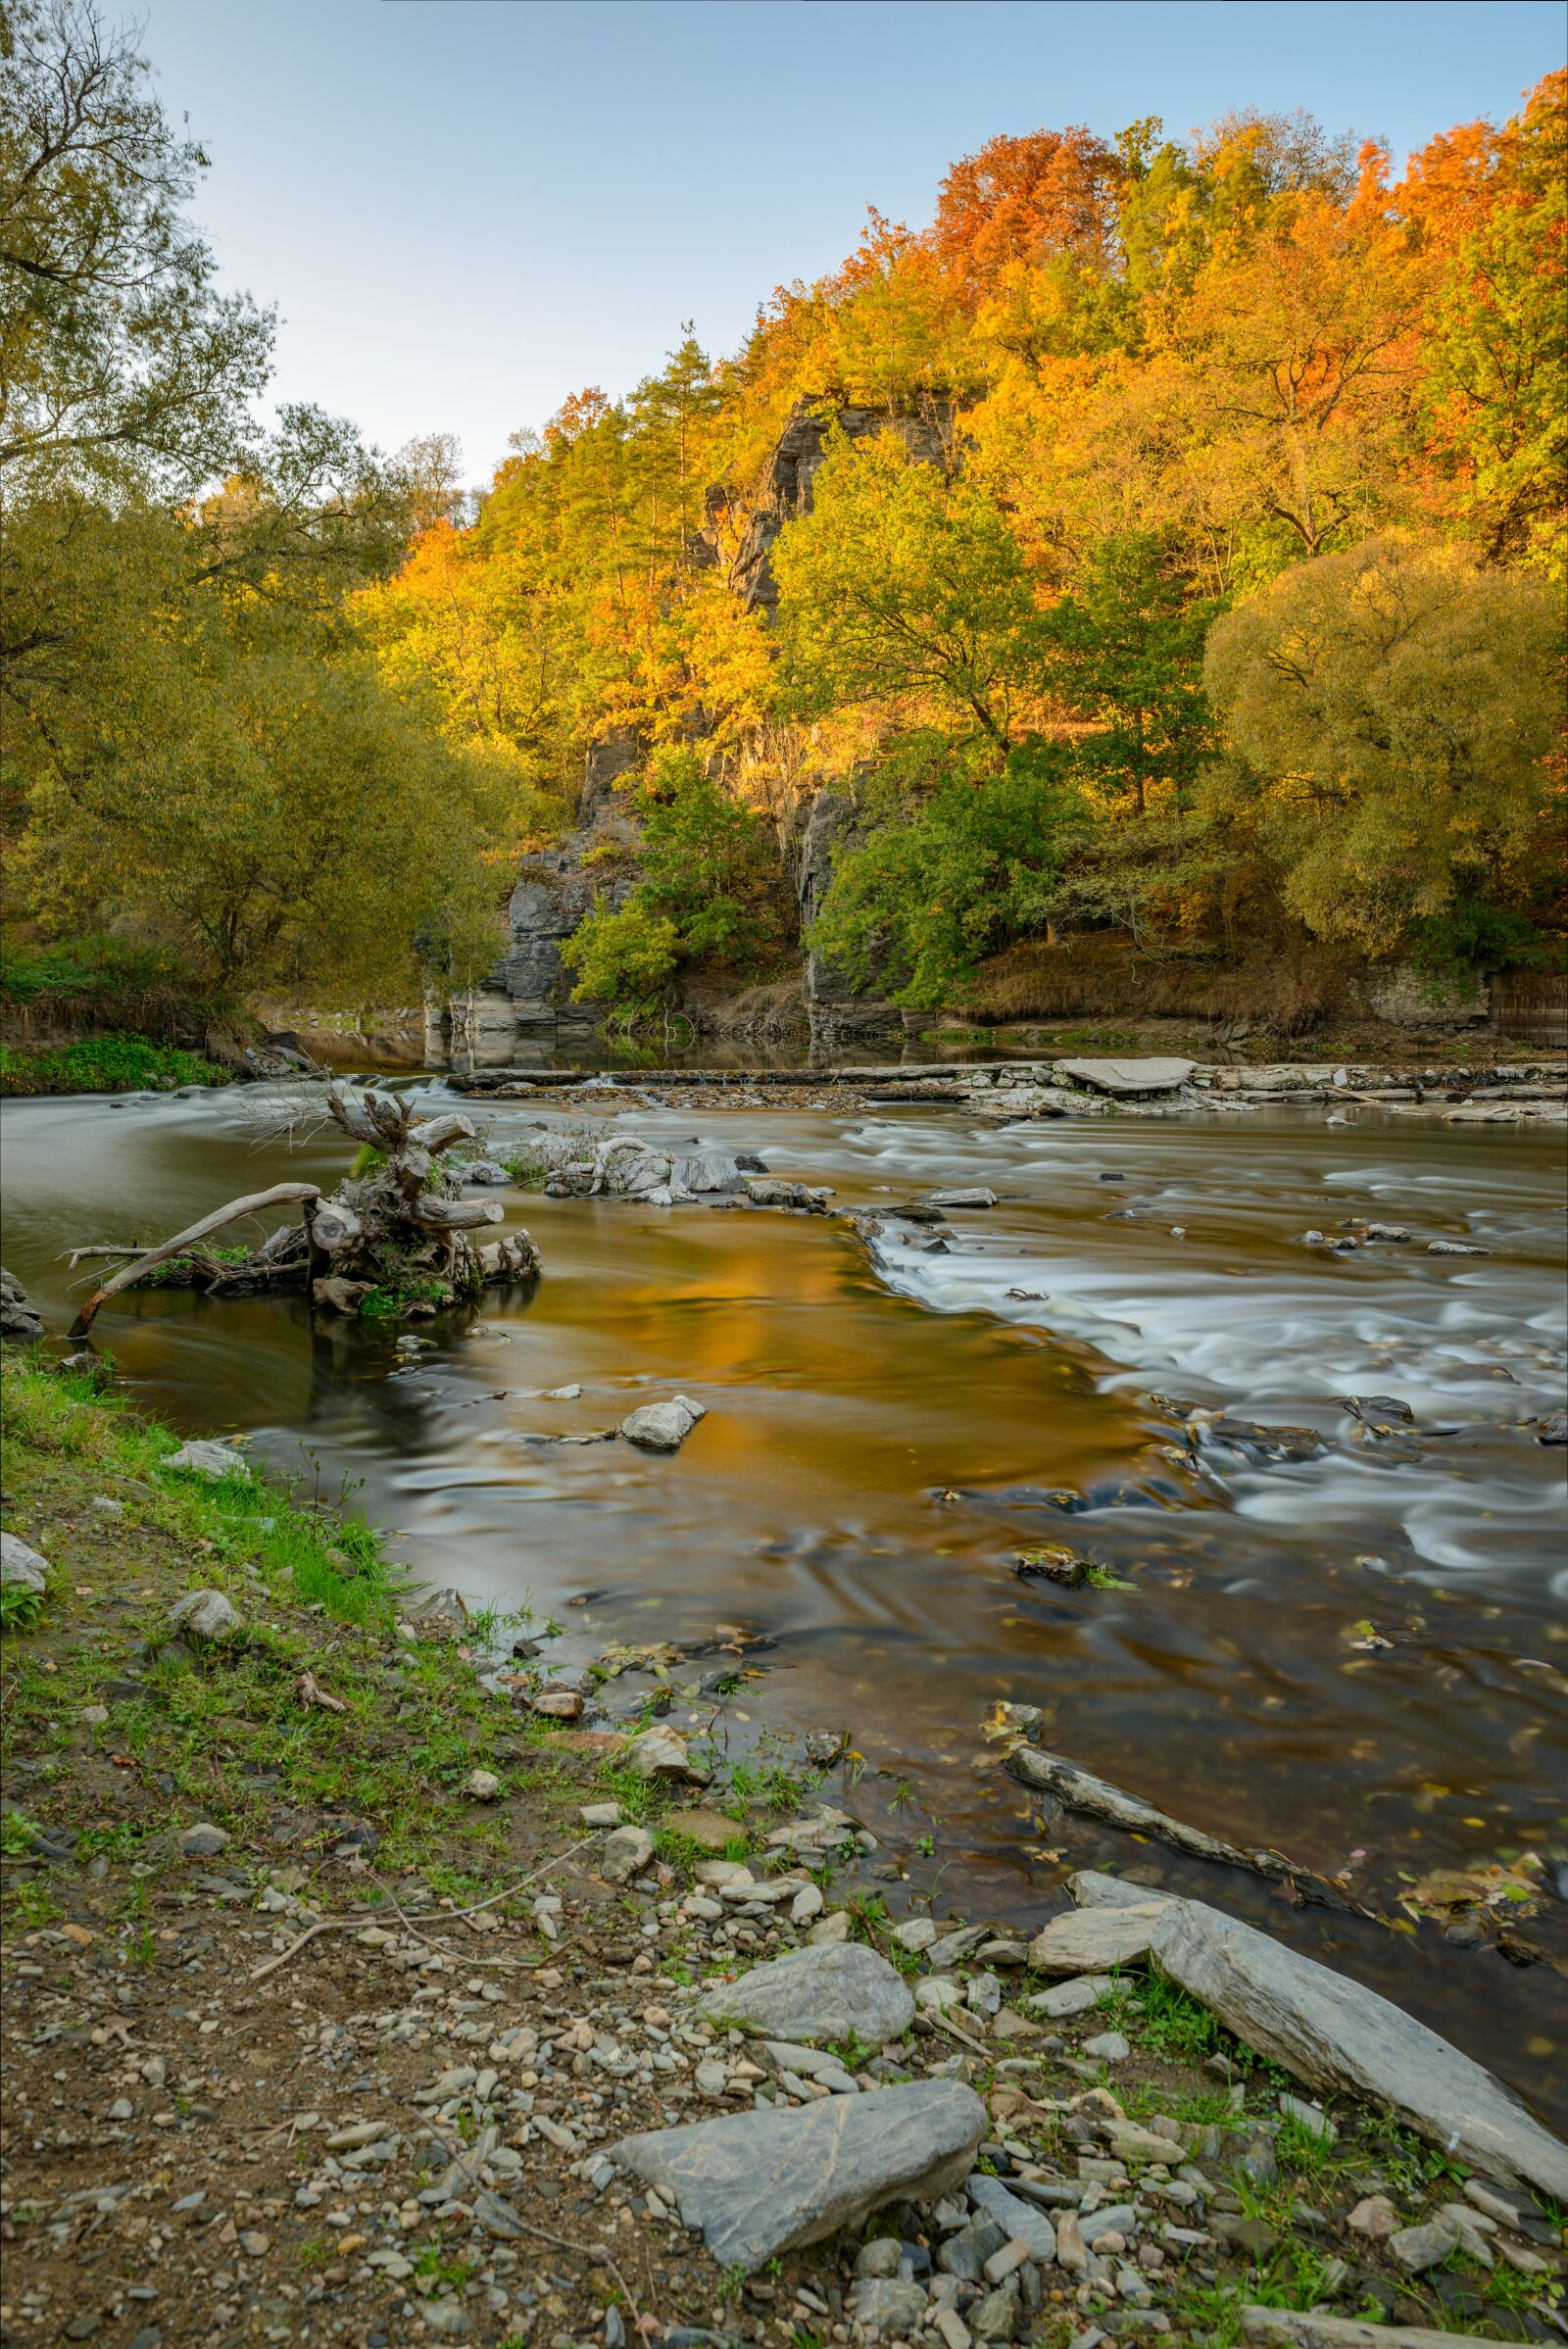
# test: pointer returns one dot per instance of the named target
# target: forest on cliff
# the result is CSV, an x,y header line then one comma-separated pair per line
x,y
1174,548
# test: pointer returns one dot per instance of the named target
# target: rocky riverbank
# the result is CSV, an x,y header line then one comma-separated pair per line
x,y
1506,1093
357,1991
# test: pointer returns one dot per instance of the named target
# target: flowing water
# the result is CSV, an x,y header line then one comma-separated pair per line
x,y
1361,1657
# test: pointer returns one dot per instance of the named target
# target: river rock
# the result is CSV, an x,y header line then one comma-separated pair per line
x,y
1092,1889
203,1457
1334,2034
19,1317
20,1565
203,1842
707,1170
1074,1997
1020,2222
816,1993
1417,2248
1091,1940
661,1753
975,1194
764,2181
773,1191
914,1934
665,1426
205,1615
483,1170
890,2303
627,1854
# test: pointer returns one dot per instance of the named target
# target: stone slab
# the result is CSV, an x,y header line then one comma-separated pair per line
x,y
1126,1080
757,2183
1335,2034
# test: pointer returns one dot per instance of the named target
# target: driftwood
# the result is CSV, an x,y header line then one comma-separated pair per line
x,y
1081,1790
281,1195
398,1231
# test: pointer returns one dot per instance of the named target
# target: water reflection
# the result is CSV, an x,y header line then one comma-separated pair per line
x,y
887,1429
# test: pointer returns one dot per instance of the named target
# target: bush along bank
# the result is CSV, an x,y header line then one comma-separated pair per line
x,y
359,1990
106,1064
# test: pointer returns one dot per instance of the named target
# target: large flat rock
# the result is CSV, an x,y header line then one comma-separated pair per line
x,y
759,2182
1126,1080
1289,2325
816,1994
1333,2033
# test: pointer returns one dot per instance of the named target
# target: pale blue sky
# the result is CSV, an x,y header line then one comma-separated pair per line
x,y
466,209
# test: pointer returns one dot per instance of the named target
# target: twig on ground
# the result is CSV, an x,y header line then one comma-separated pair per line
x,y
340,1924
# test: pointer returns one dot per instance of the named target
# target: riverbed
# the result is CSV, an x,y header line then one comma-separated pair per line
x,y
1360,1657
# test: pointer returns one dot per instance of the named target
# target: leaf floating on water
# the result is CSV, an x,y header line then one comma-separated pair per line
x,y
1494,1886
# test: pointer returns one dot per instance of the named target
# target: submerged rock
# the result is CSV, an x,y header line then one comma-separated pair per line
x,y
820,1994
760,2183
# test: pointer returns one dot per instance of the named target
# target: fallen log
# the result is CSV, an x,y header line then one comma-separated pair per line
x,y
281,1195
1097,1799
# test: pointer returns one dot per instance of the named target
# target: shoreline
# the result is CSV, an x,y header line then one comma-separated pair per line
x,y
122,1754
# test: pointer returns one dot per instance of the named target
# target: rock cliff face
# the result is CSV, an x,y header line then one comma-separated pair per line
x,y
839,1005
785,488
529,993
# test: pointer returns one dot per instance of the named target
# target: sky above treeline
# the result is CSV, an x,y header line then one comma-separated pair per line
x,y
465,210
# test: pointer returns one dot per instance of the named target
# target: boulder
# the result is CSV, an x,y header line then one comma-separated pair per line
x,y
760,2183
19,1564
203,1457
663,1427
205,1615
1094,1941
1333,2034
816,1993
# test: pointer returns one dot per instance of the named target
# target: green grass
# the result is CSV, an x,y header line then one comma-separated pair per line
x,y
333,1562
105,1064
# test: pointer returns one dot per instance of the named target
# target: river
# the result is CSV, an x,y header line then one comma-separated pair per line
x,y
1361,1658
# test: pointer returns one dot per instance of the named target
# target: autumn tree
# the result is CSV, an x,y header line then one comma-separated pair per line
x,y
1393,716
1028,200
903,581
